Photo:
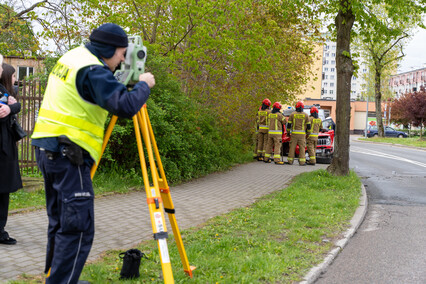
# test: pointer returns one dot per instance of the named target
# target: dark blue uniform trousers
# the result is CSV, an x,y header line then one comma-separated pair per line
x,y
69,204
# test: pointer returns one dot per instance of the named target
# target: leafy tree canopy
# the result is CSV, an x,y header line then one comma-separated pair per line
x,y
16,33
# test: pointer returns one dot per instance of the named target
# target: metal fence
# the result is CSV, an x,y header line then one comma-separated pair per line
x,y
30,95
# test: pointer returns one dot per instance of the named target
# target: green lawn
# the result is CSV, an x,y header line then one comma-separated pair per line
x,y
414,141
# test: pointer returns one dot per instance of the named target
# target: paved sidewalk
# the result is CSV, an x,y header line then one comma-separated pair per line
x,y
122,221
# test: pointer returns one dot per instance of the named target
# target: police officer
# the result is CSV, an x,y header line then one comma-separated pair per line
x,y
312,136
298,123
68,137
262,125
275,133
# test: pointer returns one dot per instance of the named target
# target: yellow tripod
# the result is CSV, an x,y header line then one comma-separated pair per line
x,y
158,196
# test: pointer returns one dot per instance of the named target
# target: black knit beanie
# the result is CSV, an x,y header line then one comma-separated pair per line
x,y
110,34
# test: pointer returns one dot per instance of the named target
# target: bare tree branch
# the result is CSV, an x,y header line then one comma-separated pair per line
x,y
21,13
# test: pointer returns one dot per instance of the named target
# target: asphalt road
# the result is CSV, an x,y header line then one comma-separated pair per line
x,y
390,245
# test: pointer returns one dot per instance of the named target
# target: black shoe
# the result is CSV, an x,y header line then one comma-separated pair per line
x,y
287,163
6,240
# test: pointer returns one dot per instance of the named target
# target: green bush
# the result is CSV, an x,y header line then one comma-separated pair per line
x,y
190,140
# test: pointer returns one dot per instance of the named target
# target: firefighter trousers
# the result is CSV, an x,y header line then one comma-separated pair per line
x,y
274,144
297,139
312,143
262,140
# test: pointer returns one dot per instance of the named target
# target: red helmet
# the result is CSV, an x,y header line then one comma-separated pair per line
x,y
314,109
266,102
277,105
300,104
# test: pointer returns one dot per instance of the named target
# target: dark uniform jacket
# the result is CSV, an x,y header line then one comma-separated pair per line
x,y
9,165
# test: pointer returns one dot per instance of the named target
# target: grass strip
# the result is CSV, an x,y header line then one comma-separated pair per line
x,y
278,239
412,141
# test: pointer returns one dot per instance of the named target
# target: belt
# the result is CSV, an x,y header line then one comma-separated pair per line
x,y
49,154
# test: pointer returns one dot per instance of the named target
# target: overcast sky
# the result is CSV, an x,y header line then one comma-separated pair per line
x,y
415,53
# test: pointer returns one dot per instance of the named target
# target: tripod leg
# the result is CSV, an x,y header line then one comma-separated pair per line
x,y
155,205
104,144
167,199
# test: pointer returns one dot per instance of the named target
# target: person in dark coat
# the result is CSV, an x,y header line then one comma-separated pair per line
x,y
9,165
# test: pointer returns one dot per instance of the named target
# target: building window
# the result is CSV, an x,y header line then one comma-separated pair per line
x,y
332,77
333,62
325,91
331,92
332,69
331,84
325,69
24,71
333,54
325,84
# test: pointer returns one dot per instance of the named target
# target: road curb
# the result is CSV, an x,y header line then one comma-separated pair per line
x,y
356,221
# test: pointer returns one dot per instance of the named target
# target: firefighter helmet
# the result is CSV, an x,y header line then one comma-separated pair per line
x,y
266,102
300,104
277,105
314,109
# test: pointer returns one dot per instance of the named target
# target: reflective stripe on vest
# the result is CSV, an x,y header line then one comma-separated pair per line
x,y
298,132
64,112
275,132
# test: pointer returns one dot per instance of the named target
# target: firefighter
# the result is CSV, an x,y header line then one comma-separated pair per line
x,y
312,136
298,124
262,126
275,132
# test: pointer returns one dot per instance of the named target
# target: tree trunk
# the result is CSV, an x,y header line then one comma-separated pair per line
x,y
378,99
344,67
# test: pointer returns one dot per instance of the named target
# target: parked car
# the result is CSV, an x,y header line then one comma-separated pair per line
x,y
389,132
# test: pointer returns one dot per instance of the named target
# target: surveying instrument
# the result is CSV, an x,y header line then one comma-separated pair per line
x,y
158,196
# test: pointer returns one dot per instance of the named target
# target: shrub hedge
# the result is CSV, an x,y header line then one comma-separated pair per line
x,y
190,140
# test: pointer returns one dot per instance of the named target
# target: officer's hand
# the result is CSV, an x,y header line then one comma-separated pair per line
x,y
147,78
11,100
4,110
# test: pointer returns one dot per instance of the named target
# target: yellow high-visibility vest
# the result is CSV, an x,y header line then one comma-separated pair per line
x,y
64,112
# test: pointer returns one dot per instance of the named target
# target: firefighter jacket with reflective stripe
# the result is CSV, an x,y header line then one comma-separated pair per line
x,y
262,120
64,112
299,122
276,122
316,126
